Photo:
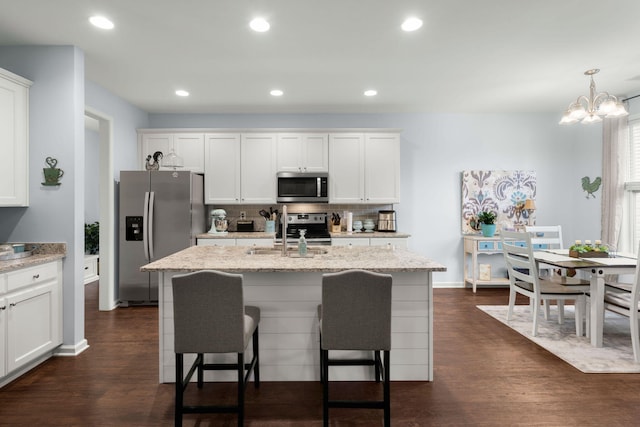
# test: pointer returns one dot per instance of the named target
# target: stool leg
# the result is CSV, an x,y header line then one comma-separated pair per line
x,y
325,387
256,352
377,364
321,358
387,391
179,390
240,389
200,370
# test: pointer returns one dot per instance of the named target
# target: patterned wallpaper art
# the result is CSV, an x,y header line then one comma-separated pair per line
x,y
497,191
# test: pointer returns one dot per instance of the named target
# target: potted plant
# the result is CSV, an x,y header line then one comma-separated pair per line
x,y
92,238
487,221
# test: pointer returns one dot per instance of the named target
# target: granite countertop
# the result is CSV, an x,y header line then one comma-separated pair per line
x,y
373,235
235,259
41,254
263,235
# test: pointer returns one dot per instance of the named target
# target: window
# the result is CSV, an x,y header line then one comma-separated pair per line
x,y
632,187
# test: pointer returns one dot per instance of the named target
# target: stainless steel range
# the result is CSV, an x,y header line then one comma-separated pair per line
x,y
315,223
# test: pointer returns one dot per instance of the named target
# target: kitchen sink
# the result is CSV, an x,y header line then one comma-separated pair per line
x,y
290,250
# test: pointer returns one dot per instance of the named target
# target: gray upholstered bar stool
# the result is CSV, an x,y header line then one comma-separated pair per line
x,y
356,315
210,317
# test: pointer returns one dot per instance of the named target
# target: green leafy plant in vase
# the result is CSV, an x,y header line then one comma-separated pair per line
x,y
92,238
487,220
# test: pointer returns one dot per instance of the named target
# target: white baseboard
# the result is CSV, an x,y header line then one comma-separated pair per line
x,y
72,350
443,285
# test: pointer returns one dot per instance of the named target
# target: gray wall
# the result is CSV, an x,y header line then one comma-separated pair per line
x,y
91,176
55,214
126,119
436,148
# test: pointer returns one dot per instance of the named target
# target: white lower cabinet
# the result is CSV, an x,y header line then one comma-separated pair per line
x,y
30,316
235,242
353,241
254,242
395,242
216,242
91,268
3,337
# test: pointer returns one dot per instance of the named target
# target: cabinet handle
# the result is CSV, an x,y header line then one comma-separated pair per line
x,y
4,307
86,268
13,304
36,276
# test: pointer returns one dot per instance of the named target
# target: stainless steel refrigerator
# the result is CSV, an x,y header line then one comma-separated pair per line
x,y
161,212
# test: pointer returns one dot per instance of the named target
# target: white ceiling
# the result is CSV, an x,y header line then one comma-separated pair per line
x,y
469,56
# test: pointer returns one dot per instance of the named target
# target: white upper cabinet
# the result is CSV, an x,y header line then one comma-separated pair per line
x,y
382,168
346,168
258,168
14,139
364,168
189,146
222,168
240,168
303,152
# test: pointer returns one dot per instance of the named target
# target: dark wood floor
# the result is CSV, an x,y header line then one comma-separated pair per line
x,y
485,375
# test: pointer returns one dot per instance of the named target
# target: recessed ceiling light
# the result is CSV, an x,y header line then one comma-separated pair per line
x,y
370,92
181,92
260,25
101,22
411,24
276,92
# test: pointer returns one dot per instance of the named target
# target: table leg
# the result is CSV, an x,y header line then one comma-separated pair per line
x,y
474,273
597,306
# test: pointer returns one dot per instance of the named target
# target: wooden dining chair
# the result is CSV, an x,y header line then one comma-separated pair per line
x,y
550,237
525,280
623,298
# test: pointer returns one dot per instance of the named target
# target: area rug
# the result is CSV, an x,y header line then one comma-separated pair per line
x,y
615,356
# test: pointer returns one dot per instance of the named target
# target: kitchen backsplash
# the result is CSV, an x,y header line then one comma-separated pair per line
x,y
360,212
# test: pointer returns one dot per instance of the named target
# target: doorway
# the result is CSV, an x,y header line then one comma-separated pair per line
x,y
106,288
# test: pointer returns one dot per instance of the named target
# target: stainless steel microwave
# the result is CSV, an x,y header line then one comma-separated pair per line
x,y
300,187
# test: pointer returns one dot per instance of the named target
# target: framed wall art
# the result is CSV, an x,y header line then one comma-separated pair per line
x,y
501,191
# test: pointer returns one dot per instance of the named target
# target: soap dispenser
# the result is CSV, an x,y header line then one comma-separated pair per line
x,y
302,244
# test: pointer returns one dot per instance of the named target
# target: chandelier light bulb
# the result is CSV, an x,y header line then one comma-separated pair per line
x,y
591,109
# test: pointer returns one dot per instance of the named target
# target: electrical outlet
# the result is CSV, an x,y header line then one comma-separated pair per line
x,y
243,215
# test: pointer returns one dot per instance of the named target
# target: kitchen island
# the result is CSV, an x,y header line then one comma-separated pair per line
x,y
288,291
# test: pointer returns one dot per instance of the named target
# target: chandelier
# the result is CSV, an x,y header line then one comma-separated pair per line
x,y
591,109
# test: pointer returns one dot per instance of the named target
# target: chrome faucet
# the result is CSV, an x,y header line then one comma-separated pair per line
x,y
285,219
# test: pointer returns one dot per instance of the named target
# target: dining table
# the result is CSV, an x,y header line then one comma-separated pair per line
x,y
595,269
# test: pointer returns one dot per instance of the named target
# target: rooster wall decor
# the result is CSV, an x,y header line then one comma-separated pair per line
x,y
591,187
155,164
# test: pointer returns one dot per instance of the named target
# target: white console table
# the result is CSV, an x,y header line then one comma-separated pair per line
x,y
475,245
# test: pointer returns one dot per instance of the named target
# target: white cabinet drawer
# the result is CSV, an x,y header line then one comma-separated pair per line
x,y
90,268
31,276
216,242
